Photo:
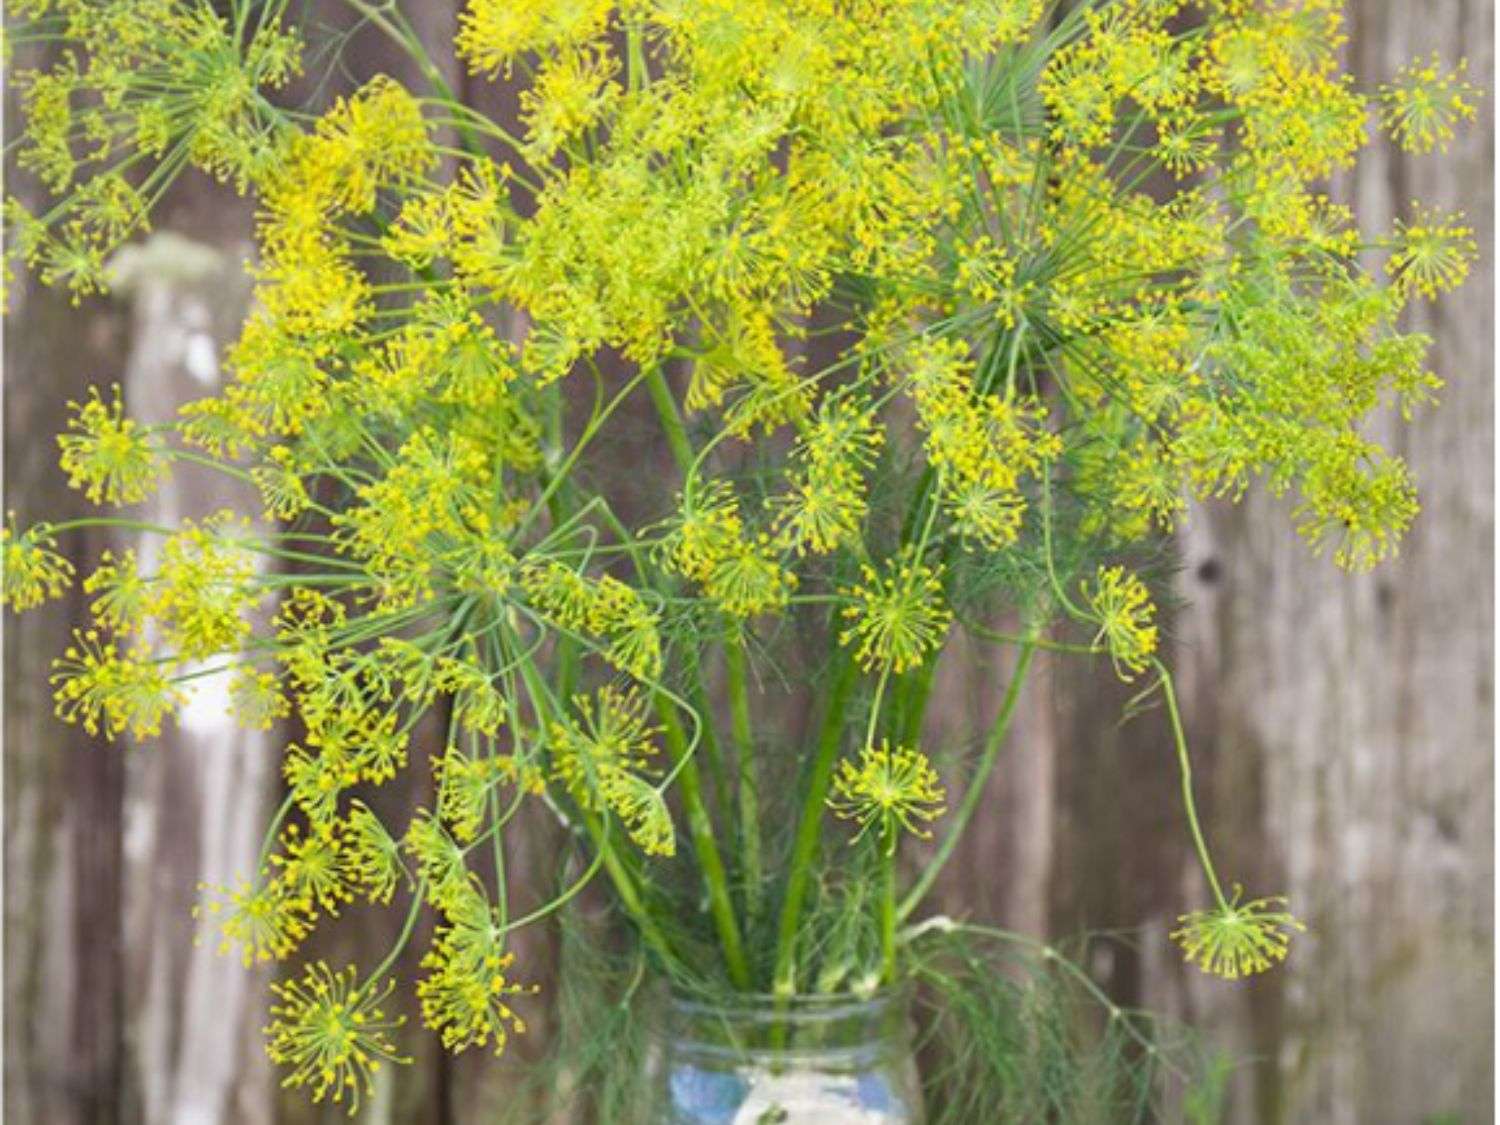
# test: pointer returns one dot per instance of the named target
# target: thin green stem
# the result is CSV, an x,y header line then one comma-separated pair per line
x,y
975,792
412,914
889,915
1185,768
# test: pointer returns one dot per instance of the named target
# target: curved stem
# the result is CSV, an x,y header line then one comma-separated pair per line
x,y
1185,768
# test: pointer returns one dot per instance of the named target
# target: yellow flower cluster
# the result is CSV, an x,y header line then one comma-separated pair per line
x,y
602,756
1122,607
738,572
107,455
332,1034
108,692
825,505
1237,939
31,569
1424,103
982,444
604,608
465,996
891,789
896,618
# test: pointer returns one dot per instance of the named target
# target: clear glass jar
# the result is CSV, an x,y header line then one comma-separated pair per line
x,y
805,1060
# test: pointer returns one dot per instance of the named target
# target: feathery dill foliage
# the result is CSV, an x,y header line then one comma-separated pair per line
x,y
942,309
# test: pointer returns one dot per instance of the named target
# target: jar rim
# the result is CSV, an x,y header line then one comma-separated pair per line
x,y
786,1008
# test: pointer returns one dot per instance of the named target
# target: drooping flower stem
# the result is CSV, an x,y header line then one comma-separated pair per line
x,y
1185,769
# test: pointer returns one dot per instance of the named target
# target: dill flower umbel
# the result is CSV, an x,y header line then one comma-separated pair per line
x,y
33,570
332,1034
1122,606
465,994
1237,939
107,455
601,756
896,618
1431,254
891,789
105,691
264,921
1424,103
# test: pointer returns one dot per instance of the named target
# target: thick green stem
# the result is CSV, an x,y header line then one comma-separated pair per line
x,y
705,846
810,827
671,420
975,792
748,790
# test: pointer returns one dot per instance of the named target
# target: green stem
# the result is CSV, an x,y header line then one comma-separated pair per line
x,y
401,942
671,420
619,872
888,911
749,796
809,828
1185,768
975,792
704,845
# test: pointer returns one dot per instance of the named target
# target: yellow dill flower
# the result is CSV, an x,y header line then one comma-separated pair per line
x,y
891,789
569,94
465,995
370,858
702,531
107,455
263,922
602,755
1122,606
897,618
109,693
827,502
282,490
204,587
33,570
440,862
123,594
315,779
1424,103
603,607
331,1032
1237,939
1431,254
310,868
748,580
464,786
493,32
255,698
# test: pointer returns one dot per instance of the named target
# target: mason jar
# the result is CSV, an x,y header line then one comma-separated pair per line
x,y
801,1060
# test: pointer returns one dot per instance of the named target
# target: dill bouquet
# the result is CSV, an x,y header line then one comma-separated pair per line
x,y
943,310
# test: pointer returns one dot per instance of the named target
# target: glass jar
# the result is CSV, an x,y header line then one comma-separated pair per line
x,y
805,1060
